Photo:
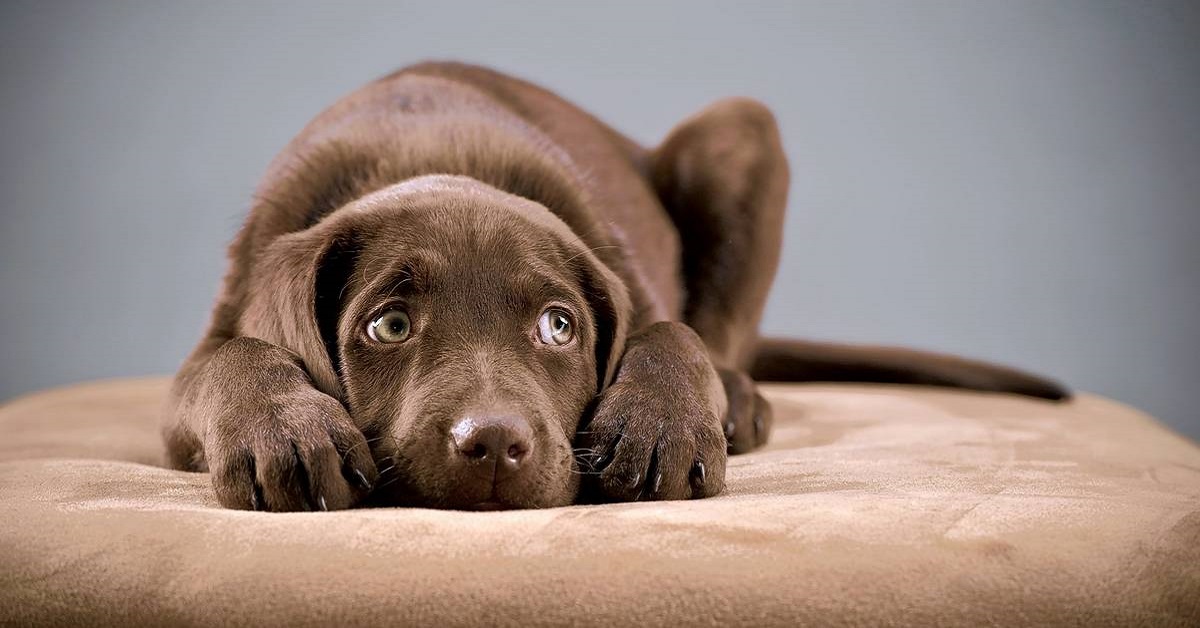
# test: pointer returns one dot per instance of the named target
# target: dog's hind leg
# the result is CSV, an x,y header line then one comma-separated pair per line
x,y
723,178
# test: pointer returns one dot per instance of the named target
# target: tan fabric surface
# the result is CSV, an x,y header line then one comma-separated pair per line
x,y
873,505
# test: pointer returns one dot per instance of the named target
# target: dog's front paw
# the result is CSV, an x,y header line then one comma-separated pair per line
x,y
656,432
291,451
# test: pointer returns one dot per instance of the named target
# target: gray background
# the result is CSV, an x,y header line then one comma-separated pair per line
x,y
1010,180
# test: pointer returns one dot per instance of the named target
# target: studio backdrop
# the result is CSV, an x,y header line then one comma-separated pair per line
x,y
1016,181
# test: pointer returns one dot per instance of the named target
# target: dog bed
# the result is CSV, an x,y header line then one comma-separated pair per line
x,y
872,505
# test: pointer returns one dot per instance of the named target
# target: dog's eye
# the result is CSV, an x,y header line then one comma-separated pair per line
x,y
391,326
555,328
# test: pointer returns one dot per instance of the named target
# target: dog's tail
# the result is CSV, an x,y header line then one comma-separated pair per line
x,y
778,360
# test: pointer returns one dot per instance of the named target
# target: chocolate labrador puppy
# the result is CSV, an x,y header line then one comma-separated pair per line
x,y
455,289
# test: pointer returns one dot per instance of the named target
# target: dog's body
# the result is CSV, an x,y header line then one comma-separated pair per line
x,y
450,269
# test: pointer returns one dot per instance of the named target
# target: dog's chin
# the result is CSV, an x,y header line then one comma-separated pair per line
x,y
499,498
457,502
505,498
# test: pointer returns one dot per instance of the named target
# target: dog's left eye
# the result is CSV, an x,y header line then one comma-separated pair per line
x,y
555,328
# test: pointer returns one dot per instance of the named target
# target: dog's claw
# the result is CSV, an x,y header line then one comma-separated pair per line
x,y
362,481
321,503
657,483
698,474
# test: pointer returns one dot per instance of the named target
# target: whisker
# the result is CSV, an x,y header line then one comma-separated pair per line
x,y
591,250
366,442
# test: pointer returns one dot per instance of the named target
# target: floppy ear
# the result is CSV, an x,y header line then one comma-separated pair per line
x,y
295,297
611,309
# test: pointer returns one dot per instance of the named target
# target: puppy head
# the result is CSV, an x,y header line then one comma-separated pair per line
x,y
466,330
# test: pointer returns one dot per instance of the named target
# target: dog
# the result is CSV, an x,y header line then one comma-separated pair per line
x,y
456,290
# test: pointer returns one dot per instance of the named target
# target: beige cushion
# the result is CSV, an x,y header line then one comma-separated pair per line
x,y
872,505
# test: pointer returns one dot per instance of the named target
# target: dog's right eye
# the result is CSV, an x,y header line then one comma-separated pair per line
x,y
391,326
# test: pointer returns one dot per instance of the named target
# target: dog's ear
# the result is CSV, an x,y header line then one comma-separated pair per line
x,y
296,293
611,311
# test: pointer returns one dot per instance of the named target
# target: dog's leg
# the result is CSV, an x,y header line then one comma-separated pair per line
x,y
248,412
723,177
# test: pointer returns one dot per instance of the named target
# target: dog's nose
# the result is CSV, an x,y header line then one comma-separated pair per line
x,y
502,441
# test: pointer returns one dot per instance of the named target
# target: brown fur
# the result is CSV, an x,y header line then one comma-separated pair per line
x,y
473,202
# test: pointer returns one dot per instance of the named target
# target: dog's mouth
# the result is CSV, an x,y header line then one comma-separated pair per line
x,y
400,498
489,505
419,482
492,502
